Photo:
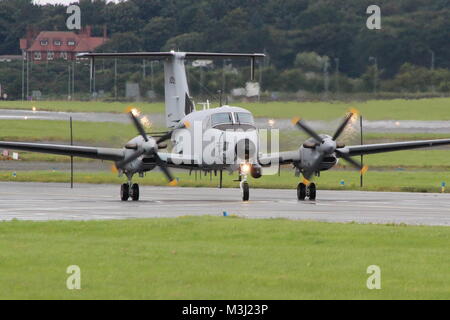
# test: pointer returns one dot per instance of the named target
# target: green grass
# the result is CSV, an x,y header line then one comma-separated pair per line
x,y
401,109
48,130
222,258
389,180
398,109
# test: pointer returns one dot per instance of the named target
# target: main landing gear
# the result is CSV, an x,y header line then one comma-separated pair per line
x,y
306,191
129,190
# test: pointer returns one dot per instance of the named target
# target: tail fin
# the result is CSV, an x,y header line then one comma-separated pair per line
x,y
178,102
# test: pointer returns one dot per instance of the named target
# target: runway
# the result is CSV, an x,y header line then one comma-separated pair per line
x,y
51,201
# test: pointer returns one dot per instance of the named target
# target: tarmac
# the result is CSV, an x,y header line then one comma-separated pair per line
x,y
54,201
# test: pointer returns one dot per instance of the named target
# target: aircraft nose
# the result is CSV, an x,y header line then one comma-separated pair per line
x,y
245,150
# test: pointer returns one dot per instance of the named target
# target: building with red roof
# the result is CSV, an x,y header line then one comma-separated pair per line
x,y
59,45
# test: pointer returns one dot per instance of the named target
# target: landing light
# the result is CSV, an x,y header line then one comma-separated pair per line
x,y
245,168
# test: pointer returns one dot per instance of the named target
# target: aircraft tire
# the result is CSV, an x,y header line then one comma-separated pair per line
x,y
312,191
124,192
245,191
135,192
301,191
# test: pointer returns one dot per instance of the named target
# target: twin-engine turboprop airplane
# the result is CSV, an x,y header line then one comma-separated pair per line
x,y
217,139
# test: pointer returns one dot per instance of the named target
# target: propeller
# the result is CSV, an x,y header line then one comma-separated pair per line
x,y
326,146
149,147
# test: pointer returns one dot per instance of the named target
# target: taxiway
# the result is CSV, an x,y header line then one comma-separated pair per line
x,y
51,201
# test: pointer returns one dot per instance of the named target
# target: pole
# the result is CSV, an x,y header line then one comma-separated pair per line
x,y
71,157
115,79
73,80
151,71
23,75
337,74
28,77
362,157
221,179
144,73
260,81
433,57
69,86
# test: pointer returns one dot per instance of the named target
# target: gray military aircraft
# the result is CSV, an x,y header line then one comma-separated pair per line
x,y
232,142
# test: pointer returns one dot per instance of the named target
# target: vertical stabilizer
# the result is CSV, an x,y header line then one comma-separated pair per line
x,y
178,103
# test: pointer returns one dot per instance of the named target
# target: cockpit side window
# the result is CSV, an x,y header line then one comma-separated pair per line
x,y
221,118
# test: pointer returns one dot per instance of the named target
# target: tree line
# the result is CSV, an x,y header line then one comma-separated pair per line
x,y
313,45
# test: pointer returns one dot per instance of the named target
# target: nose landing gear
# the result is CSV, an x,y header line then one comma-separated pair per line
x,y
244,170
306,191
245,190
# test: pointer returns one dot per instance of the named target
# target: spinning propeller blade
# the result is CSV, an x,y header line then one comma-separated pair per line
x,y
353,162
303,126
137,123
344,124
133,113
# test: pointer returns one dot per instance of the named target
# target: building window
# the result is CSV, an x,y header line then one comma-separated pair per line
x,y
71,43
63,55
37,56
57,42
44,43
50,55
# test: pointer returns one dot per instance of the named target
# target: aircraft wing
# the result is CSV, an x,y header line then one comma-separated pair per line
x,y
389,147
64,150
280,158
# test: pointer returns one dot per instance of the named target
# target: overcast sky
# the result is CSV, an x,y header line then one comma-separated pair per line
x,y
66,2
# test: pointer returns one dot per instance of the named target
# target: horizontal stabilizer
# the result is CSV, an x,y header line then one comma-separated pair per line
x,y
163,55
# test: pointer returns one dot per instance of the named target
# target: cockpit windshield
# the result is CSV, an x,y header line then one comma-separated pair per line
x,y
221,118
244,118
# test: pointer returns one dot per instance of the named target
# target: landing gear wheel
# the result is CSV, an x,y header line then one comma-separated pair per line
x,y
312,191
135,192
301,191
245,191
125,192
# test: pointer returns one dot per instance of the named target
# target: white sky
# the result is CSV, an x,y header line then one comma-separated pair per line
x,y
65,2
